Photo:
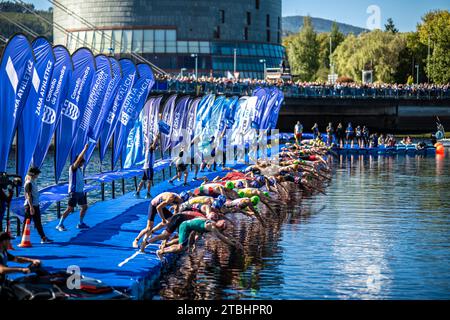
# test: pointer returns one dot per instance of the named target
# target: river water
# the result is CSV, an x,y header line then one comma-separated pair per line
x,y
381,232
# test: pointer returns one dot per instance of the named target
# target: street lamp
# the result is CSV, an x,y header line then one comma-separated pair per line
x,y
417,73
234,62
194,55
265,68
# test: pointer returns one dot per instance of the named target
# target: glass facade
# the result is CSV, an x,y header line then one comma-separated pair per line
x,y
162,47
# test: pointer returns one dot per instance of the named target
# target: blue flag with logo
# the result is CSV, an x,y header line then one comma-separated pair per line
x,y
166,120
260,106
16,70
92,111
31,120
129,77
273,119
132,107
179,120
56,95
135,150
74,105
191,117
96,126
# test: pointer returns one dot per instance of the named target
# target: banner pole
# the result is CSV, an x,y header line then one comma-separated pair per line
x,y
58,203
112,167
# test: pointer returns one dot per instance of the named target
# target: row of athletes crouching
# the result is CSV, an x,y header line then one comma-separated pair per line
x,y
188,215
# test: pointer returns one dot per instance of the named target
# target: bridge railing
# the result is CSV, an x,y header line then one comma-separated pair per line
x,y
301,91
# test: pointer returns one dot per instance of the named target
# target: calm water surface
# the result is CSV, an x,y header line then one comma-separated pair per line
x,y
381,232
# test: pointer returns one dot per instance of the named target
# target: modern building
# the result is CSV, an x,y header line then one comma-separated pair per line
x,y
173,34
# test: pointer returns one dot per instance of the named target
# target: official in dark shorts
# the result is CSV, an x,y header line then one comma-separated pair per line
x,y
76,192
181,167
77,199
149,162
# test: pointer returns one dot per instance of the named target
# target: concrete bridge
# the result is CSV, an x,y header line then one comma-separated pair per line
x,y
384,115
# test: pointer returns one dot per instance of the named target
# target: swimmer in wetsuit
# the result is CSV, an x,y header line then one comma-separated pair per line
x,y
188,228
158,206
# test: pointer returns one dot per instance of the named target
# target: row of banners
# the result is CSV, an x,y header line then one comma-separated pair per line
x,y
81,97
45,92
198,119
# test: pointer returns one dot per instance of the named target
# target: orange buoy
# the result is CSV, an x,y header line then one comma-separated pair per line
x,y
440,149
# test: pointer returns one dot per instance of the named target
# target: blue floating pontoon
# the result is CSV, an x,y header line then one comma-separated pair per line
x,y
104,251
382,150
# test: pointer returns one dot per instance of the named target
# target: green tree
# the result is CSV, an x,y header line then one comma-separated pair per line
x,y
377,50
303,51
390,26
434,31
325,45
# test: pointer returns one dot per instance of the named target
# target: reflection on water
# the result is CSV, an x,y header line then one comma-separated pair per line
x,y
381,232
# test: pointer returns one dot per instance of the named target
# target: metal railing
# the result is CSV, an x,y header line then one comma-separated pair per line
x,y
295,91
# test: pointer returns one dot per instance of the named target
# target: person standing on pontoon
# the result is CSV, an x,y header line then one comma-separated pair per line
x,y
76,192
298,132
149,162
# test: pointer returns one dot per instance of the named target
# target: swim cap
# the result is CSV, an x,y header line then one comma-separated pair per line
x,y
217,204
260,179
222,198
229,185
241,194
184,196
267,194
239,185
296,162
255,200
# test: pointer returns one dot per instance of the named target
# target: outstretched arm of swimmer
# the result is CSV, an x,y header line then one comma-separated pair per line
x,y
225,239
255,212
263,201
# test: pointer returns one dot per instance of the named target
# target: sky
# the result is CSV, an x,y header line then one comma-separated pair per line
x,y
405,13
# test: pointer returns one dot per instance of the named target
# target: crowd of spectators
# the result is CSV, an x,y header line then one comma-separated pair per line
x,y
306,89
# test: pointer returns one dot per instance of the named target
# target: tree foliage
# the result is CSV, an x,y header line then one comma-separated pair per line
x,y
303,52
390,26
434,31
392,55
377,50
17,13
